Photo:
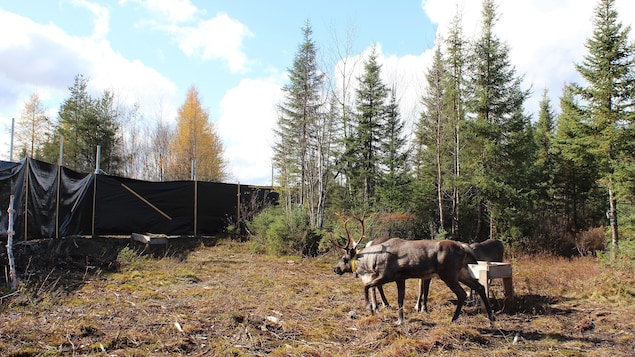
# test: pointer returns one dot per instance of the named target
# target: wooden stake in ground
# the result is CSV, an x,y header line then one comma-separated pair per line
x,y
10,233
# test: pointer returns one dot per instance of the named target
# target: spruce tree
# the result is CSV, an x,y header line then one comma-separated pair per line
x,y
434,134
392,189
84,123
575,169
300,114
365,152
499,132
456,93
543,177
608,100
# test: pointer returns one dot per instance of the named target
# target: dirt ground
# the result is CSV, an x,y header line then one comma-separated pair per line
x,y
214,297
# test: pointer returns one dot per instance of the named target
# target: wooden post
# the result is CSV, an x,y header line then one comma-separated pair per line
x,y
94,205
238,206
26,199
195,207
10,233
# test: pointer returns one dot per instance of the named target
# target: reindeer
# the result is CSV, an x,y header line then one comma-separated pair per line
x,y
424,285
397,260
372,242
490,250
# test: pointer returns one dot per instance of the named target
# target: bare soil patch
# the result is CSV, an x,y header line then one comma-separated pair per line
x,y
209,297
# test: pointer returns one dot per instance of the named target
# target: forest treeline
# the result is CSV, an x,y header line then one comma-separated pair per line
x,y
477,165
191,149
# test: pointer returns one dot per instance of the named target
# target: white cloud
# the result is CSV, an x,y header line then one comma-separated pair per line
x,y
218,38
102,18
45,58
405,73
248,115
173,10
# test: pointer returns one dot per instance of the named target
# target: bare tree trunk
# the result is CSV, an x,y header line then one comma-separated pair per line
x,y
457,173
439,172
613,220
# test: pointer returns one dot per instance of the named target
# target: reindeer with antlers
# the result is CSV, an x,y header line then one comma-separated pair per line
x,y
397,260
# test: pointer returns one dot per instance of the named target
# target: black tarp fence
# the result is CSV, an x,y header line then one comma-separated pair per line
x,y
52,201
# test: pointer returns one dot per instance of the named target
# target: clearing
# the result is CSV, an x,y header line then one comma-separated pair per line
x,y
214,297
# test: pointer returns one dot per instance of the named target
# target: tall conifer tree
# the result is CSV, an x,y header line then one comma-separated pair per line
x,y
608,100
499,132
392,190
295,152
576,170
435,135
456,63
32,127
370,116
84,123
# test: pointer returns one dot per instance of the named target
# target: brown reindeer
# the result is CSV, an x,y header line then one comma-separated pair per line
x,y
490,250
424,285
374,241
397,260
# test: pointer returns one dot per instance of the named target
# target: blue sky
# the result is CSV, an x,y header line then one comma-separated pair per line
x,y
237,52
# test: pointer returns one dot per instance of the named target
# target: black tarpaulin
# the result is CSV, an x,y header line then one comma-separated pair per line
x,y
58,202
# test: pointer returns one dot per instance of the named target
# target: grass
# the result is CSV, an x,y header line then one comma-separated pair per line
x,y
218,298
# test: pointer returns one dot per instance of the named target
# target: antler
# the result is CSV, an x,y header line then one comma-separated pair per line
x,y
361,221
348,235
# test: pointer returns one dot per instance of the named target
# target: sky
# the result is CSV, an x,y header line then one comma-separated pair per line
x,y
237,54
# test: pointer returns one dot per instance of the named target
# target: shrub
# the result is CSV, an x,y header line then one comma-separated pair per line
x,y
126,256
275,232
396,224
591,241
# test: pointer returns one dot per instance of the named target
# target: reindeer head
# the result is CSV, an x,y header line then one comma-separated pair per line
x,y
346,264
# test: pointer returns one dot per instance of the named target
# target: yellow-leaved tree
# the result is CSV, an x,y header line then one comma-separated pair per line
x,y
196,144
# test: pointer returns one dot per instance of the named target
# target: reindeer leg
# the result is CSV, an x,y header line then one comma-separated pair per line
x,y
418,305
401,293
383,296
369,304
456,288
480,290
374,298
426,290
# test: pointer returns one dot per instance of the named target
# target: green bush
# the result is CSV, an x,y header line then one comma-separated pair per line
x,y
277,232
127,256
624,257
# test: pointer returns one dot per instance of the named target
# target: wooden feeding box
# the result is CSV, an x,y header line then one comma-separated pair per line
x,y
486,271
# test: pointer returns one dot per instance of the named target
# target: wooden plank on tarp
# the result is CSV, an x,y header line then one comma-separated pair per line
x,y
150,239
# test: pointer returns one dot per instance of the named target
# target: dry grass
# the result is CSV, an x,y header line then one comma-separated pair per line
x,y
220,299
